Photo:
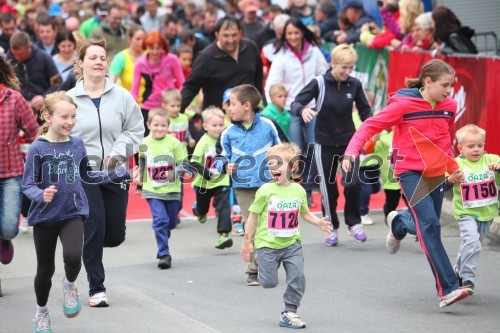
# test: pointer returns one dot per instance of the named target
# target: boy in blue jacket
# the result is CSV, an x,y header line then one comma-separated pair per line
x,y
241,152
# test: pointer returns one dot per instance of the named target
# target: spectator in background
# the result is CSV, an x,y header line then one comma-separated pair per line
x,y
8,25
252,25
268,33
101,11
154,72
112,30
301,10
207,29
28,23
423,38
170,30
33,67
124,61
268,51
153,17
6,8
356,15
450,34
189,38
232,61
65,59
185,54
325,15
47,33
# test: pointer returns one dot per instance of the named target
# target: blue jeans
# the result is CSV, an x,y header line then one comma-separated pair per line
x,y
297,127
422,219
10,206
164,214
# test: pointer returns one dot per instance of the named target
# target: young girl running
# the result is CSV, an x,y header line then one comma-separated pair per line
x,y
56,165
422,116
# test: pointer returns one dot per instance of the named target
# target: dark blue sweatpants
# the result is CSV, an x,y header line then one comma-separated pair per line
x,y
422,219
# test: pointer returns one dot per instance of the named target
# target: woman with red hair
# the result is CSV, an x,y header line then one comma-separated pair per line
x,y
157,70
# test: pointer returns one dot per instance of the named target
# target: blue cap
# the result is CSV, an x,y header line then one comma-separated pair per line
x,y
55,10
353,4
225,97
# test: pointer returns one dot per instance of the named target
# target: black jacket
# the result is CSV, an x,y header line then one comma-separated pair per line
x,y
214,71
334,124
459,41
34,73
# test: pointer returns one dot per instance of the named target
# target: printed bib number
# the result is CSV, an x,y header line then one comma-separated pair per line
x,y
480,191
283,217
178,134
210,160
161,174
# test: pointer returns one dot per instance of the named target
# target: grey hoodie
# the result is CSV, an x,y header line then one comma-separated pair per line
x,y
115,129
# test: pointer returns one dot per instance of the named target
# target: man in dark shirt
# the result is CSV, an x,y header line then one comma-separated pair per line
x,y
33,67
226,63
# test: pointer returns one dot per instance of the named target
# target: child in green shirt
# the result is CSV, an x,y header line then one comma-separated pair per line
x,y
276,108
475,201
275,214
179,122
159,156
208,182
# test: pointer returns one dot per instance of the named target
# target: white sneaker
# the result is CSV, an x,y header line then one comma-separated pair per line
x,y
291,320
42,322
99,300
24,225
366,219
391,243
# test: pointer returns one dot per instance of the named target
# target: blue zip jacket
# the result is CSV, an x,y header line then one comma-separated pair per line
x,y
248,148
65,165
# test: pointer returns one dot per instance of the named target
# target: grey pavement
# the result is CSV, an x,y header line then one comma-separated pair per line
x,y
351,288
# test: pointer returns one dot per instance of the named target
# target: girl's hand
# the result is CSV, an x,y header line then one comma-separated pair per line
x,y
308,114
347,163
494,166
325,225
246,250
49,193
231,167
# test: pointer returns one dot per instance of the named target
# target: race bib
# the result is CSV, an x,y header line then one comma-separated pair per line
x,y
161,173
210,160
178,134
479,190
283,217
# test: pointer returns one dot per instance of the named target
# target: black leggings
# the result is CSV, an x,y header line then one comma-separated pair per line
x,y
71,235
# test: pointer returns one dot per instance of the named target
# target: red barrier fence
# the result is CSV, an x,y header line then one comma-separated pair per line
x,y
476,89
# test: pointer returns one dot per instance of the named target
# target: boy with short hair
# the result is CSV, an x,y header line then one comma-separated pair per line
x,y
159,156
241,152
179,122
276,108
475,201
209,182
274,217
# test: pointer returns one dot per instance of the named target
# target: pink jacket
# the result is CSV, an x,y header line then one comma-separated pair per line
x,y
150,80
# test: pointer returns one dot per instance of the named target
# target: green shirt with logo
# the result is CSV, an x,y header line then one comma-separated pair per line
x,y
204,154
161,158
478,195
278,209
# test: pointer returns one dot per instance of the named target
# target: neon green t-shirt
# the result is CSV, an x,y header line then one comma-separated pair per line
x,y
478,195
162,157
383,148
278,209
179,126
204,154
